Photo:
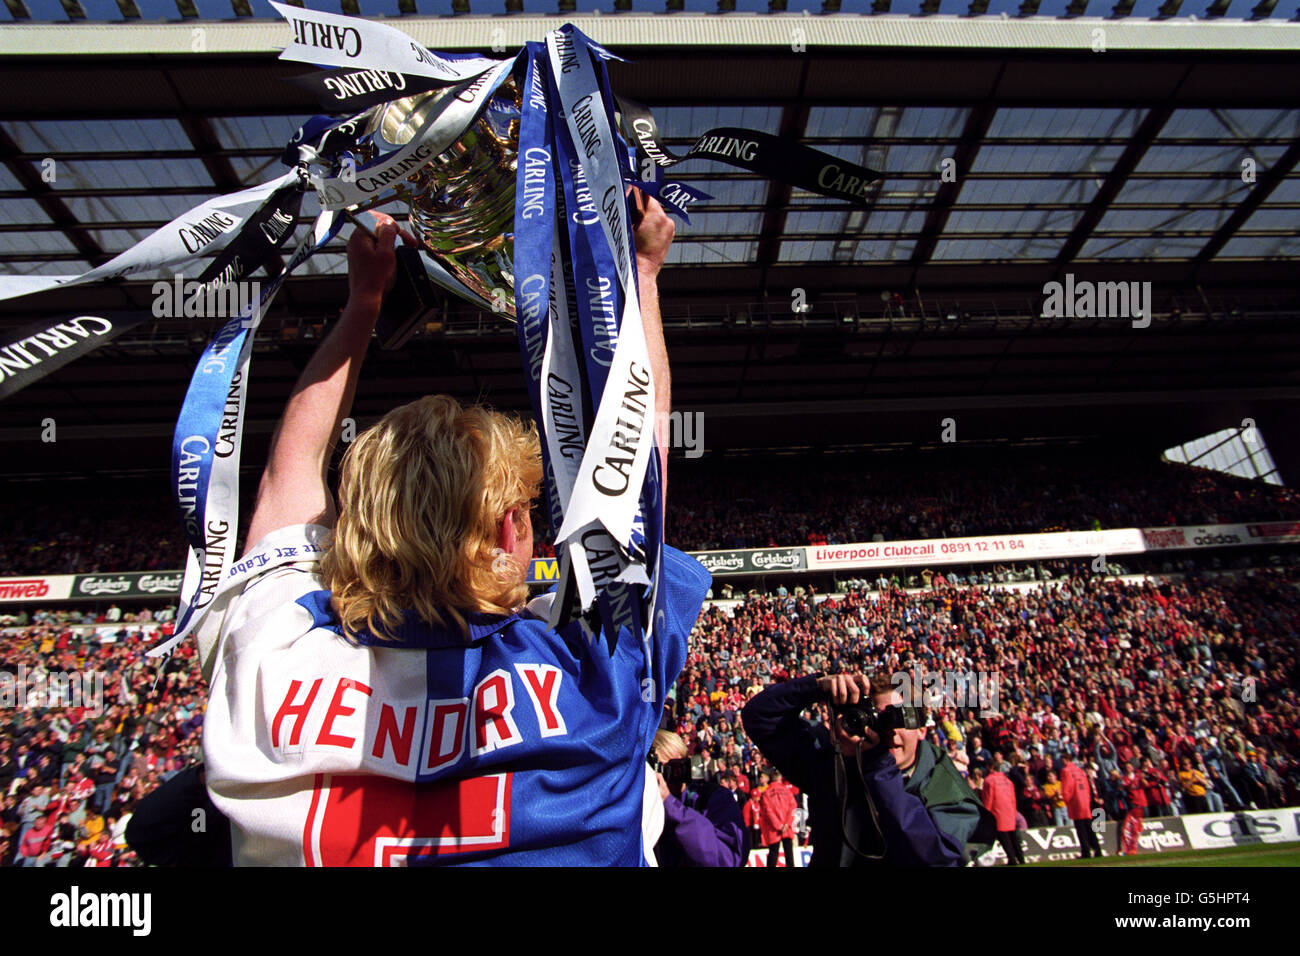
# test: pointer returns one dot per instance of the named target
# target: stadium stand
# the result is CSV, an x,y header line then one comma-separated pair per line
x,y
749,502
1091,669
1173,669
70,777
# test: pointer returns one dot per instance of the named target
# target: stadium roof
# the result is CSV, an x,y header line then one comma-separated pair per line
x,y
1169,157
1061,155
137,10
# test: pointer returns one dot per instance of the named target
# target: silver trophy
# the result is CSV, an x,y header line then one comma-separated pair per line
x,y
461,203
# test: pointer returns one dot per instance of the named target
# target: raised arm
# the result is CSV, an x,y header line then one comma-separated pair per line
x,y
773,721
294,489
654,234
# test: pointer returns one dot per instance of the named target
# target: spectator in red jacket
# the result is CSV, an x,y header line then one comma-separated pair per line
x,y
1032,802
1077,791
999,796
36,844
1135,786
776,810
1157,793
100,852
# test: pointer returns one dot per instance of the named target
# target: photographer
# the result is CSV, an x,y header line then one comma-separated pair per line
x,y
701,826
873,801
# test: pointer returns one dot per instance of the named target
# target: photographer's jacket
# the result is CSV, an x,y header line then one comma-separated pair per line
x,y
709,832
926,818
522,746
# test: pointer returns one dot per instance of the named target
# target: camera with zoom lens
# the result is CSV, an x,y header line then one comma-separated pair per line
x,y
858,718
675,772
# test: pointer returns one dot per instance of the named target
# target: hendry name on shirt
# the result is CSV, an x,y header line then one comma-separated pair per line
x,y
384,733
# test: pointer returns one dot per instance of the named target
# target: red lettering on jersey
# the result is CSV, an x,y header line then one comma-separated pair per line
x,y
297,711
446,732
388,731
364,820
326,737
494,728
543,684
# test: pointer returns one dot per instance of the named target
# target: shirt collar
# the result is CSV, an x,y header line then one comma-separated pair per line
x,y
923,763
413,632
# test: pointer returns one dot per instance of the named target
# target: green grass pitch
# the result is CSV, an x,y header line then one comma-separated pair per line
x,y
1263,854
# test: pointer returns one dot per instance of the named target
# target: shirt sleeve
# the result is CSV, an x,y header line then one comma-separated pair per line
x,y
773,720
292,552
685,582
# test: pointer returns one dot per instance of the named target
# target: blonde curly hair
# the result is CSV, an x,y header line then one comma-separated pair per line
x,y
421,497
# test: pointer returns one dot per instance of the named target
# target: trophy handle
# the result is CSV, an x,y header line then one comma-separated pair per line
x,y
411,303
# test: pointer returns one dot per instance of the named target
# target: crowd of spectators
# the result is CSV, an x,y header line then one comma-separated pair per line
x,y
1191,683
71,776
779,502
741,503
62,528
83,615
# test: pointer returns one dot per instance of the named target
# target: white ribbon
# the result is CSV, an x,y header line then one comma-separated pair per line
x,y
561,383
206,227
330,39
222,511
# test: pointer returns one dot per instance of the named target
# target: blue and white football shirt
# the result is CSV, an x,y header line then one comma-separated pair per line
x,y
522,746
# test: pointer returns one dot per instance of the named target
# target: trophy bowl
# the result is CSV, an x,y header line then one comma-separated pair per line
x,y
462,201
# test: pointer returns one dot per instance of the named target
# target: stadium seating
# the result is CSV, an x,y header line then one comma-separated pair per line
x,y
739,503
1095,669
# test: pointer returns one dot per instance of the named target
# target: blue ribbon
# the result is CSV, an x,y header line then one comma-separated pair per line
x,y
599,304
202,420
534,235
595,277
